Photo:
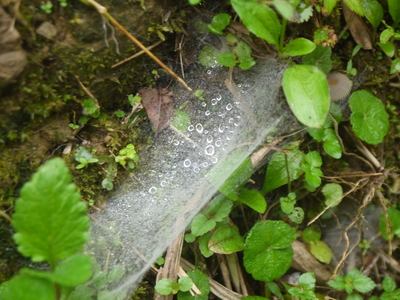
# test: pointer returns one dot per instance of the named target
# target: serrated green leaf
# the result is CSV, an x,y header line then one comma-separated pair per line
x,y
226,239
307,92
201,224
219,208
253,199
27,288
320,57
388,284
50,219
268,252
355,5
185,284
203,244
201,281
259,19
313,175
373,12
363,284
287,203
354,296
314,159
394,218
330,5
321,251
299,46
311,234
281,167
218,23
332,192
338,283
227,59
394,10
369,118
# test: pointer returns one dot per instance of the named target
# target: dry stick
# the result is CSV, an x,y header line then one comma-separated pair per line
x,y
135,55
103,11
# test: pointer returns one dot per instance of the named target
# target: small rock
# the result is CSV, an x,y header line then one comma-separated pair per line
x,y
47,30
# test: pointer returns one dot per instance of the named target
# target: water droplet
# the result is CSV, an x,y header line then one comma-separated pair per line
x,y
209,72
196,169
205,131
191,127
214,101
219,97
153,190
218,143
199,128
205,165
221,128
204,104
163,183
230,120
214,160
222,115
209,150
176,142
209,139
236,124
207,113
187,163
228,106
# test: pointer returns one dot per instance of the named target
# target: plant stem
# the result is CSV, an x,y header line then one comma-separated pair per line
x,y
282,36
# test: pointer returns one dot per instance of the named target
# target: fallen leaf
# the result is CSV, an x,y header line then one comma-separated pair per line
x,y
358,29
159,106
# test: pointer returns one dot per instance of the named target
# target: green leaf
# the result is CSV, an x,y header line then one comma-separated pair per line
x,y
388,48
354,296
299,46
243,51
355,5
274,288
254,298
373,12
369,118
227,59
253,199
203,244
330,5
394,10
82,292
320,57
287,203
388,284
219,208
386,35
331,143
332,192
237,179
307,92
164,286
27,288
268,252
361,283
259,19
311,234
287,10
185,284
395,66
307,280
226,239
338,283
201,281
50,218
181,120
218,23
201,224
73,271
297,215
394,218
116,273
314,159
207,57
321,251
281,167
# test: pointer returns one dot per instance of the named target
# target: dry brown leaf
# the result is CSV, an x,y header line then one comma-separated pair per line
x,y
159,106
358,29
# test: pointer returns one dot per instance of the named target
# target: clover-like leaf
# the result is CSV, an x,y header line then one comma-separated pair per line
x,y
49,217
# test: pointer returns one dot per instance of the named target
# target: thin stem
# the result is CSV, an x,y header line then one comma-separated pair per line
x,y
282,36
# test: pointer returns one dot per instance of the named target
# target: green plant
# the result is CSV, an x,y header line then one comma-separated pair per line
x,y
84,157
306,287
353,280
51,226
128,156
